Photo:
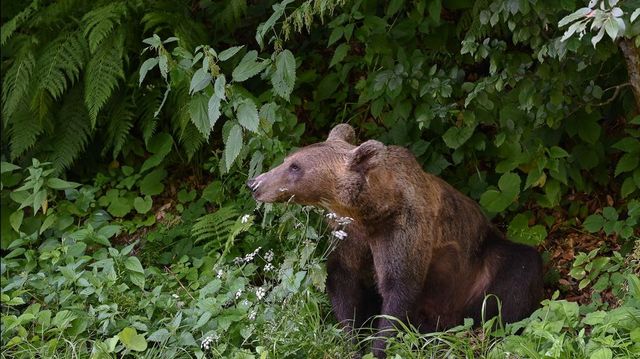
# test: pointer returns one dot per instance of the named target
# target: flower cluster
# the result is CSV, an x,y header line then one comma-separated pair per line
x,y
260,293
220,273
245,218
343,221
206,342
248,258
252,315
238,293
340,234
269,267
268,256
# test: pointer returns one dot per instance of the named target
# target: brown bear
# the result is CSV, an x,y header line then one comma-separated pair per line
x,y
417,249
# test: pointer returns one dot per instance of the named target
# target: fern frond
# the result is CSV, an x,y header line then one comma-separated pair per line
x,y
216,226
146,108
58,13
10,26
60,64
232,13
191,139
104,70
16,83
72,130
24,129
176,17
120,118
99,23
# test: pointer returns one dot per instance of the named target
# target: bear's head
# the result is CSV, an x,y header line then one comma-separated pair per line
x,y
332,174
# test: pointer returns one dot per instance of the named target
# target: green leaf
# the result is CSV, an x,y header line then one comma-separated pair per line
x,y
248,67
611,27
109,230
201,78
159,336
628,144
628,187
132,340
233,145
557,152
628,162
133,264
339,55
284,77
589,131
602,353
219,87
160,145
228,53
593,223
146,67
15,219
610,213
7,167
199,112
57,183
248,115
119,206
457,136
498,200
336,34
142,205
151,184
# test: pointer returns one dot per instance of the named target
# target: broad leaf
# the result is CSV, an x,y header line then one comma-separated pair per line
x,y
284,77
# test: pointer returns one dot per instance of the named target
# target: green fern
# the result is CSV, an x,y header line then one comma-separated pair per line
x,y
191,140
12,25
16,82
121,119
104,70
215,227
72,131
146,108
24,130
61,62
99,23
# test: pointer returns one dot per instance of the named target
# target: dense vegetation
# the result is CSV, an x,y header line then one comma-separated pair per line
x,y
130,127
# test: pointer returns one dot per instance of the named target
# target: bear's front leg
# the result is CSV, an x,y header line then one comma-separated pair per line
x,y
350,284
401,270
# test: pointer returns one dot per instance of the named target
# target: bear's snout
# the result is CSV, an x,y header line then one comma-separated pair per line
x,y
253,184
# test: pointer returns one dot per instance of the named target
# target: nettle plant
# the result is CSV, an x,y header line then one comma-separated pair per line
x,y
212,94
602,16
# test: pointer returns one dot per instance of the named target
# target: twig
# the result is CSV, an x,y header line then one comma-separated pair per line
x,y
615,93
179,282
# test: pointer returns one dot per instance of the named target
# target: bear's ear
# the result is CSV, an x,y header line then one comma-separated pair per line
x,y
342,132
365,156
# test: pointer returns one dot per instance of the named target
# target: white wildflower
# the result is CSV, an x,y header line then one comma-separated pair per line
x,y
268,256
245,218
238,260
260,292
331,215
206,342
343,221
175,296
269,267
220,273
238,293
339,234
252,315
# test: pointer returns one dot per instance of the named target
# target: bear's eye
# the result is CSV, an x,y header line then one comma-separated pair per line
x,y
294,167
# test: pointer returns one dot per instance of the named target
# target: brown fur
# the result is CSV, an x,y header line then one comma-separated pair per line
x,y
418,249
